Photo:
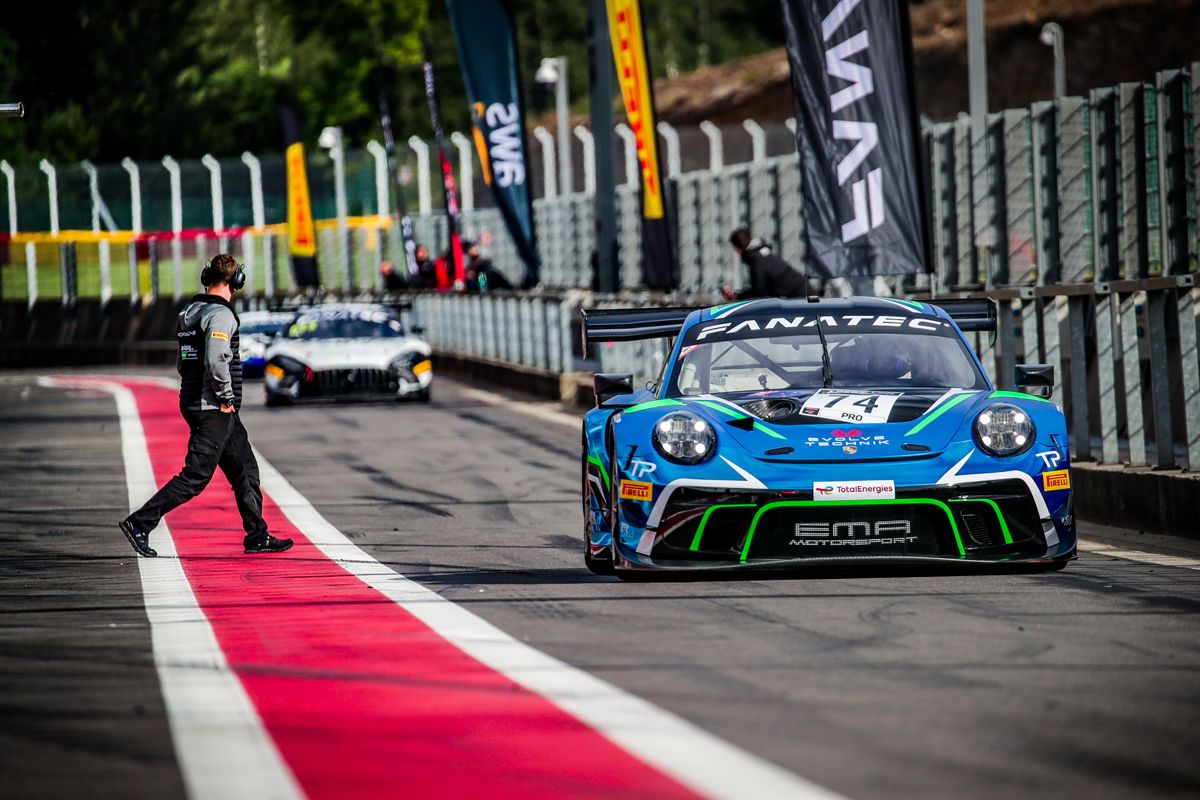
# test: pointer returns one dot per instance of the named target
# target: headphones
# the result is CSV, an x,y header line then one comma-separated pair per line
x,y
236,282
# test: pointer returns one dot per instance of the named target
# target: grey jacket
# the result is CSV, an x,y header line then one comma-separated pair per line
x,y
213,327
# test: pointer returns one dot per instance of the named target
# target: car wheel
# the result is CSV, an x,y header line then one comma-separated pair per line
x,y
274,400
597,565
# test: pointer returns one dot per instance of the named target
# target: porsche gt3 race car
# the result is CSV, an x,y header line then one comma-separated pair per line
x,y
347,351
256,330
826,432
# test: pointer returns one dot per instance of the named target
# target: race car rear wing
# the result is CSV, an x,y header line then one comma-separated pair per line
x,y
628,324
970,315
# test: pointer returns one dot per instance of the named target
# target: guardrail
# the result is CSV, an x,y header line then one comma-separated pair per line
x,y
1125,353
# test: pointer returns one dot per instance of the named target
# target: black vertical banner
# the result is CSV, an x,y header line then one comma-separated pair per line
x,y
856,134
486,39
406,226
456,249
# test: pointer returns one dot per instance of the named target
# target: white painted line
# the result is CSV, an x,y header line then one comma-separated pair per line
x,y
224,751
537,410
1158,559
672,745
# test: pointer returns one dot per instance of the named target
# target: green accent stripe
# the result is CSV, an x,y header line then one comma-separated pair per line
x,y
758,426
910,303
707,514
930,416
647,406
999,516
1019,396
724,409
718,309
915,501
599,465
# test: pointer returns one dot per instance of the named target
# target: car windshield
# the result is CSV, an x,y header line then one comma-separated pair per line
x,y
262,326
344,324
771,354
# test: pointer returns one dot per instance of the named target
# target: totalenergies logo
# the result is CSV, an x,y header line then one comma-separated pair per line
x,y
823,490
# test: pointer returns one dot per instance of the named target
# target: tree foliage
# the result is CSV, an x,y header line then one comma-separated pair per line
x,y
112,78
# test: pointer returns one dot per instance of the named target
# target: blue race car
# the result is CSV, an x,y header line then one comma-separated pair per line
x,y
785,433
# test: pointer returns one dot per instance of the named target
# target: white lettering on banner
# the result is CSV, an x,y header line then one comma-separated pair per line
x,y
854,490
504,137
866,194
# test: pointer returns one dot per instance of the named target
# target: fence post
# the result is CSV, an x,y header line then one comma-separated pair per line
x,y
671,138
1107,357
67,271
758,139
31,273
424,195
549,167
379,153
1106,187
631,156
1074,191
967,268
992,232
1174,181
589,158
1131,308
218,200
716,149
466,177
135,278
103,250
10,178
52,189
1134,256
1045,191
153,259
135,193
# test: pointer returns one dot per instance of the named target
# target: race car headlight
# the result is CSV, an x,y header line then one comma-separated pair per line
x,y
1004,430
284,371
684,438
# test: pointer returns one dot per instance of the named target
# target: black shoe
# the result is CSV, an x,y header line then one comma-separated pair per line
x,y
266,544
139,539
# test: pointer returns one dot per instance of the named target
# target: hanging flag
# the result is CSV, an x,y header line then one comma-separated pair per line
x,y
302,235
406,226
856,134
456,250
486,39
637,90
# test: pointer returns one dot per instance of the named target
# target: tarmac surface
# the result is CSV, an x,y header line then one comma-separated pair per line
x,y
1079,683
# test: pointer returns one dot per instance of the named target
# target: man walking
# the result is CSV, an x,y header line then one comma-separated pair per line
x,y
210,394
770,275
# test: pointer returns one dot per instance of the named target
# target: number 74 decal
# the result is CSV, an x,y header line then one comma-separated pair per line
x,y
844,406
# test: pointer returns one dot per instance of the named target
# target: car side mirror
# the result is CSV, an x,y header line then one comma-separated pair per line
x,y
611,384
1036,379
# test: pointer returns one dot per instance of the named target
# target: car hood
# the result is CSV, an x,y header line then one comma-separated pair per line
x,y
920,425
341,353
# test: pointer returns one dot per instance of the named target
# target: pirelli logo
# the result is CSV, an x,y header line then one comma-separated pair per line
x,y
1058,479
220,335
636,490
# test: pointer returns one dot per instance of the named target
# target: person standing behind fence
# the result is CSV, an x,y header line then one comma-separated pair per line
x,y
770,275
210,396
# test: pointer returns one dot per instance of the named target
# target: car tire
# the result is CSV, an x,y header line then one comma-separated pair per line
x,y
275,401
596,566
425,395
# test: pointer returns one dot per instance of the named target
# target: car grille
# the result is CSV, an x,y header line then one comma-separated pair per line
x,y
990,519
351,382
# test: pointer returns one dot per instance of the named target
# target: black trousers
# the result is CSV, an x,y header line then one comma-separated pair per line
x,y
217,440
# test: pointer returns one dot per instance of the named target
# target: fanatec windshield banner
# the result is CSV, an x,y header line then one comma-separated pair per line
x,y
855,131
487,50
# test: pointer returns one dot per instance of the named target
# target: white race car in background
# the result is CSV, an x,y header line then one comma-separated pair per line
x,y
347,351
256,330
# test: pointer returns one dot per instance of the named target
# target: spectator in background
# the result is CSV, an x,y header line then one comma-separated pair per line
x,y
426,272
482,275
770,275
393,281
